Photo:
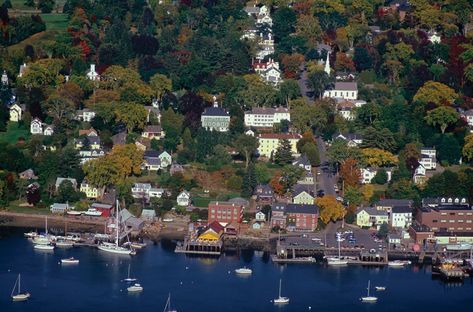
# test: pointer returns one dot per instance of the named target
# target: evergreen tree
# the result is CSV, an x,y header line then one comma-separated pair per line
x,y
283,154
249,181
381,177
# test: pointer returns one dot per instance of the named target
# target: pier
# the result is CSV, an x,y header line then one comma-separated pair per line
x,y
197,247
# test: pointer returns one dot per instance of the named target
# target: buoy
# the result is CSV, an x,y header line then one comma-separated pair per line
x,y
187,268
310,308
181,283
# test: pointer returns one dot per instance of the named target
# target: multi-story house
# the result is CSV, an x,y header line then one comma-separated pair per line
x,y
85,114
278,215
16,112
36,126
225,212
368,173
368,217
401,216
428,158
269,142
266,117
344,90
91,191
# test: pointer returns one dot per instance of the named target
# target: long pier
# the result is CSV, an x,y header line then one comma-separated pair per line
x,y
196,247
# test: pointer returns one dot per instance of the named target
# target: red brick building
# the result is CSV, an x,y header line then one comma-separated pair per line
x,y
225,212
302,217
446,215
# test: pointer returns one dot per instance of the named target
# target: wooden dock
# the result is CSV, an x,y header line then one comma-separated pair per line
x,y
307,260
196,247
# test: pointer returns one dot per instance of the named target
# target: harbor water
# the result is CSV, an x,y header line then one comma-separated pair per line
x,y
201,284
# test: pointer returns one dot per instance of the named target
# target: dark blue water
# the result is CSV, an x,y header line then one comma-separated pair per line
x,y
206,284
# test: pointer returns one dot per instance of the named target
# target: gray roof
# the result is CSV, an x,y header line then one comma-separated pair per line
x,y
302,160
153,129
402,209
215,111
60,180
350,86
239,201
119,138
101,206
302,208
278,207
60,206
151,154
299,188
395,202
373,211
151,161
125,215
148,213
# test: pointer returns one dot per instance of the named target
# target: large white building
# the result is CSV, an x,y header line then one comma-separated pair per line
x,y
215,118
266,117
343,90
401,216
269,71
269,142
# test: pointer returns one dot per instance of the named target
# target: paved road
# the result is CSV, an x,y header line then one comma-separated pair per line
x,y
302,84
325,180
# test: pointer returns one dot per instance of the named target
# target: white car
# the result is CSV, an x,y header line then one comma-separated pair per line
x,y
340,199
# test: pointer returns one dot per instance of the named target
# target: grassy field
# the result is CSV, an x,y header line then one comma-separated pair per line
x,y
13,133
14,207
55,21
20,5
33,40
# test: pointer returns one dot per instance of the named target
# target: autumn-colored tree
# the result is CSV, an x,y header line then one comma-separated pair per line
x,y
375,157
276,184
330,208
442,117
350,172
436,93
367,190
344,62
59,108
308,27
291,64
411,155
71,91
160,84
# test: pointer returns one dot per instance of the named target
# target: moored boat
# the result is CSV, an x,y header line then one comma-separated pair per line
x,y
74,213
92,212
64,243
30,234
369,298
135,288
167,307
70,260
380,288
244,271
398,263
44,247
280,299
129,279
19,296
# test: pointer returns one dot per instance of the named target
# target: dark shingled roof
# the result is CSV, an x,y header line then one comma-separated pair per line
x,y
215,111
302,208
401,209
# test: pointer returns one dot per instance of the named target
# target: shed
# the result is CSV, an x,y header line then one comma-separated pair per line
x,y
148,214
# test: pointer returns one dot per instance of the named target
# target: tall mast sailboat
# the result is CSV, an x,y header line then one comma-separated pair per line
x,y
337,260
129,279
114,247
281,299
167,307
369,298
19,296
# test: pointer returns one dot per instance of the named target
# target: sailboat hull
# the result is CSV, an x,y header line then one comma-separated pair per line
x,y
281,300
21,297
116,250
369,299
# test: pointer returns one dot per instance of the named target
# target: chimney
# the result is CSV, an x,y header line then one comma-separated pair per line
x,y
92,67
215,101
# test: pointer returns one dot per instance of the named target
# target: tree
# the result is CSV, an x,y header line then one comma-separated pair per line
x,y
46,6
33,195
448,149
283,153
276,184
66,192
362,59
376,157
350,172
411,155
318,81
289,90
382,139
381,177
284,21
312,153
442,117
290,175
249,181
308,27
435,93
160,84
330,208
383,231
352,196
60,108
367,190
402,189
133,115
338,152
467,151
246,146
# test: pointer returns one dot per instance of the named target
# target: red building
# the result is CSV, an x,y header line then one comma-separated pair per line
x,y
225,212
446,214
302,217
105,209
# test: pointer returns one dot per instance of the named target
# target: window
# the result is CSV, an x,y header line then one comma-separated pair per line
x,y
460,221
435,221
443,213
460,213
452,213
443,221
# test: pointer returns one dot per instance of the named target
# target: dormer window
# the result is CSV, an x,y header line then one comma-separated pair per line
x,y
450,200
457,200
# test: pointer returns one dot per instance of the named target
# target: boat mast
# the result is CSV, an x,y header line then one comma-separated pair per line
x,y
369,287
338,241
129,270
46,226
19,283
279,288
117,226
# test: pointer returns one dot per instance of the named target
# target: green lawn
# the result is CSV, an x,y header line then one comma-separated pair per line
x,y
14,207
13,133
202,201
20,5
55,21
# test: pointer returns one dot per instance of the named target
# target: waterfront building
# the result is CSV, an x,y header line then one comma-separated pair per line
x,y
225,212
105,209
266,117
446,214
59,208
301,217
278,215
368,217
148,214
401,216
215,118
211,233
269,142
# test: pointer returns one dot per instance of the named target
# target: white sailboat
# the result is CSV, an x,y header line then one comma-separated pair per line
x,y
243,271
129,279
167,307
115,248
70,260
43,239
337,260
43,247
369,298
19,295
281,299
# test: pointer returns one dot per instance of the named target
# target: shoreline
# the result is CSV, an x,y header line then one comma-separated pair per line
x,y
37,221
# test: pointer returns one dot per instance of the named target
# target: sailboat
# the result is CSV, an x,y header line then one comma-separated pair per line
x,y
19,295
129,279
43,239
115,248
167,307
280,299
369,298
337,260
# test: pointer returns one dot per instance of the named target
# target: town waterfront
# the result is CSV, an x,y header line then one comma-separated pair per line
x,y
204,284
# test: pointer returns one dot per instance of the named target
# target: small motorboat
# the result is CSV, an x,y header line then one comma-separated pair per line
x,y
243,271
398,263
30,234
64,243
92,212
137,245
135,288
70,260
369,298
44,247
380,288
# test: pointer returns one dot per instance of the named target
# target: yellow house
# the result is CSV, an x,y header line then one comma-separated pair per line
x,y
212,233
269,142
302,194
16,112
90,191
